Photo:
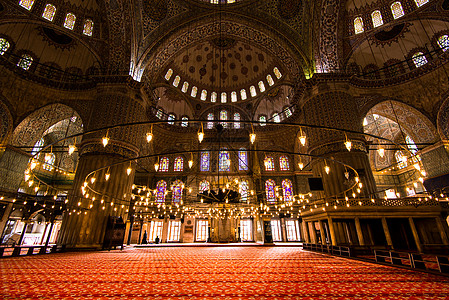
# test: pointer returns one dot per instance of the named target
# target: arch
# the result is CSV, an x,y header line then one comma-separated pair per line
x,y
6,125
443,120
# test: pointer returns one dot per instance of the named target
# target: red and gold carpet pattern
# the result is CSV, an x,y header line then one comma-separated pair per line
x,y
210,273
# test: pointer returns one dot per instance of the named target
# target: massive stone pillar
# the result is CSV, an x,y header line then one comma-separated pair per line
x,y
85,228
336,109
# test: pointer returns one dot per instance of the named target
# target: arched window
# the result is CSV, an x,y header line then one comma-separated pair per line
x,y
263,120
194,92
176,188
277,73
204,186
411,144
205,158
270,80
4,46
287,112
270,192
159,113
243,94
287,187
176,81
358,25
49,12
49,161
269,163
27,4
224,97
203,95
163,165
234,97
224,117
243,190
252,90
171,118
185,122
210,118
261,86
396,10
419,59
243,160
443,42
25,61
185,87
168,74
224,162
178,165
37,147
88,27
213,97
420,3
276,118
69,22
400,159
161,188
283,163
236,120
376,16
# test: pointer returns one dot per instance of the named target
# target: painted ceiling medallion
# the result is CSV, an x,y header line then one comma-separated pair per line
x,y
223,42
288,9
156,9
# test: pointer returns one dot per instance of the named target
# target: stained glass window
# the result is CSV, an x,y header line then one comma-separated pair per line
x,y
224,161
163,165
443,42
4,46
288,112
243,190
237,121
400,159
69,22
276,118
49,12
224,117
213,97
224,97
269,163
176,188
358,25
420,3
243,160
376,16
270,186
419,59
179,164
243,94
287,187
203,95
261,86
270,80
411,144
262,120
277,73
176,81
185,87
28,4
194,92
88,28
234,97
205,158
49,161
210,117
283,163
204,186
38,146
168,74
171,119
25,62
161,188
159,113
185,122
396,10
252,90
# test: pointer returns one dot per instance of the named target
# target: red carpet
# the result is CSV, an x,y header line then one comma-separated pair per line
x,y
210,273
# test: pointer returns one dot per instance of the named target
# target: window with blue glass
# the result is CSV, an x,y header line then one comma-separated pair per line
x,y
205,159
287,187
224,161
177,188
270,190
161,188
243,160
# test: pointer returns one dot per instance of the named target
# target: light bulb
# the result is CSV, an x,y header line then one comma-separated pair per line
x,y
348,145
417,166
105,141
128,171
156,166
421,179
106,176
327,169
36,189
30,183
92,180
300,165
33,164
302,139
27,176
252,138
365,122
190,164
415,184
381,152
357,179
423,173
347,175
72,149
149,137
200,136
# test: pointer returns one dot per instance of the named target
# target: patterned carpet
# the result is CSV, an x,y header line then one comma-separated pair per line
x,y
210,273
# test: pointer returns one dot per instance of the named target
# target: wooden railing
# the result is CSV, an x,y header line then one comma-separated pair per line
x,y
15,251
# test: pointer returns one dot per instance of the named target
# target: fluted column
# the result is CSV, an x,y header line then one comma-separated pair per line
x,y
85,228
